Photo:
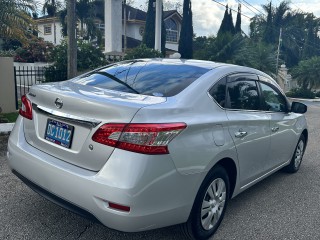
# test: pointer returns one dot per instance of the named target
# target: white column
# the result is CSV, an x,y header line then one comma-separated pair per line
x,y
157,45
113,26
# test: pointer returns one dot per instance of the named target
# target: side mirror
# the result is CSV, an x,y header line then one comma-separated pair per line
x,y
298,107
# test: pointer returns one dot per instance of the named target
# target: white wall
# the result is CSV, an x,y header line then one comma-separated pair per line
x,y
133,30
7,89
50,37
173,46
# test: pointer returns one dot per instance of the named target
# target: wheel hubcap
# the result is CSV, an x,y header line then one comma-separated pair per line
x,y
213,204
298,154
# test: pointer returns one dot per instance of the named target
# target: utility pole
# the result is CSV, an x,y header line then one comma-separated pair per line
x,y
72,41
278,53
157,45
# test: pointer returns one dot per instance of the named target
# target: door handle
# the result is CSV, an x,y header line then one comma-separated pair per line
x,y
275,129
240,134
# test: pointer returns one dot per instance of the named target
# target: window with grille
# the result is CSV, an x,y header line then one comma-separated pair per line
x,y
172,30
47,29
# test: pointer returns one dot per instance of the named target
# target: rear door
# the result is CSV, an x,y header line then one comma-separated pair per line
x,y
248,126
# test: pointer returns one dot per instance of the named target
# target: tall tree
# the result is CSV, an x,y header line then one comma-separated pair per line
x,y
15,20
224,23
310,36
72,42
308,73
268,36
231,28
186,34
87,12
149,32
163,36
238,22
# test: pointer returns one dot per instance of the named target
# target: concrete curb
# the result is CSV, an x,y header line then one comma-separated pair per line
x,y
6,128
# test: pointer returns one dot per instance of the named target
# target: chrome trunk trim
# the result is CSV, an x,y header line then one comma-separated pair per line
x,y
66,116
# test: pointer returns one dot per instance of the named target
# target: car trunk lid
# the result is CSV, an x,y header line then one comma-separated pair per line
x,y
70,110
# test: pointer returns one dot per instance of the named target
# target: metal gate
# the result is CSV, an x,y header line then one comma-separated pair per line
x,y
26,76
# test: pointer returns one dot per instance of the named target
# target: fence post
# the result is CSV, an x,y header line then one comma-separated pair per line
x,y
15,87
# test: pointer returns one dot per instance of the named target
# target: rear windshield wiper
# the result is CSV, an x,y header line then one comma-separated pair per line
x,y
117,80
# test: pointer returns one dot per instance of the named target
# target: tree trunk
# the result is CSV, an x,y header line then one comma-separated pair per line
x,y
72,42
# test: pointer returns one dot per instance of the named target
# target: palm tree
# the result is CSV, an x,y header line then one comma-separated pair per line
x,y
86,12
51,7
307,73
15,19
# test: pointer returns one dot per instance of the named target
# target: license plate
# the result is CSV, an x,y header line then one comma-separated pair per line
x,y
59,133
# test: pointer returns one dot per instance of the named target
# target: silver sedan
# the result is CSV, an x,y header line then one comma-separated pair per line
x,y
149,143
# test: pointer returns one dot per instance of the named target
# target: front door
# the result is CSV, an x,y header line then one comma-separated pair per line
x,y
283,138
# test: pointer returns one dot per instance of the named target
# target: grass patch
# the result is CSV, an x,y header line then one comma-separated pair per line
x,y
9,117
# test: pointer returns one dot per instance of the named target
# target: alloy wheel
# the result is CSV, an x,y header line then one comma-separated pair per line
x,y
299,154
213,204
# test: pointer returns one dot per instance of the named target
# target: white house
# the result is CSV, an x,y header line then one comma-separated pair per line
x,y
135,24
49,28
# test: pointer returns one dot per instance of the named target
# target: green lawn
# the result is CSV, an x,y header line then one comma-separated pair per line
x,y
9,117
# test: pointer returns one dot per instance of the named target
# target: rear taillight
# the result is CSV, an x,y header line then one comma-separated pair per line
x,y
138,137
26,108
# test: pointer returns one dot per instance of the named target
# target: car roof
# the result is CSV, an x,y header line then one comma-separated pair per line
x,y
192,62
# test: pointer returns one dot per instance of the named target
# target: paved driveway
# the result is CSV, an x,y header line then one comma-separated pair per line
x,y
283,206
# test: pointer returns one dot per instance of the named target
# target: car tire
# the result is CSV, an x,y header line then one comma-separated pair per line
x,y
297,156
209,206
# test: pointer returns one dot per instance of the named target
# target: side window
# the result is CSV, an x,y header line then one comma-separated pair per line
x,y
218,92
273,101
243,94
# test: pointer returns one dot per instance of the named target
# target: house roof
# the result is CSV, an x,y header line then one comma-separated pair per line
x,y
45,19
169,13
134,14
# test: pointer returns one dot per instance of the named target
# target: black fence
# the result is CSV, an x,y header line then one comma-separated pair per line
x,y
26,76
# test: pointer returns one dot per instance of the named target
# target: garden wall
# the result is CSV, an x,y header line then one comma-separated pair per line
x,y
7,87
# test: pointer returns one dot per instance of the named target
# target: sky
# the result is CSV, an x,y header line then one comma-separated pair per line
x,y
207,14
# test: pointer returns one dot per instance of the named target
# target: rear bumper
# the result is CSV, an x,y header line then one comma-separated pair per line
x,y
157,194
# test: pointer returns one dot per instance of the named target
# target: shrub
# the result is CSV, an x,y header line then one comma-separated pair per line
x,y
88,56
142,52
36,51
9,53
301,93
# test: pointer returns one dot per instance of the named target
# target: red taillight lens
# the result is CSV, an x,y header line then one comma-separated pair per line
x,y
138,137
26,108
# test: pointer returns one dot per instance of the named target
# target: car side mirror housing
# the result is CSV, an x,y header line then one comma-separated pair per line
x,y
298,107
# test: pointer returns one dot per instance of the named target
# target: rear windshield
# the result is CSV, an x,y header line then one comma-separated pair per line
x,y
148,78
